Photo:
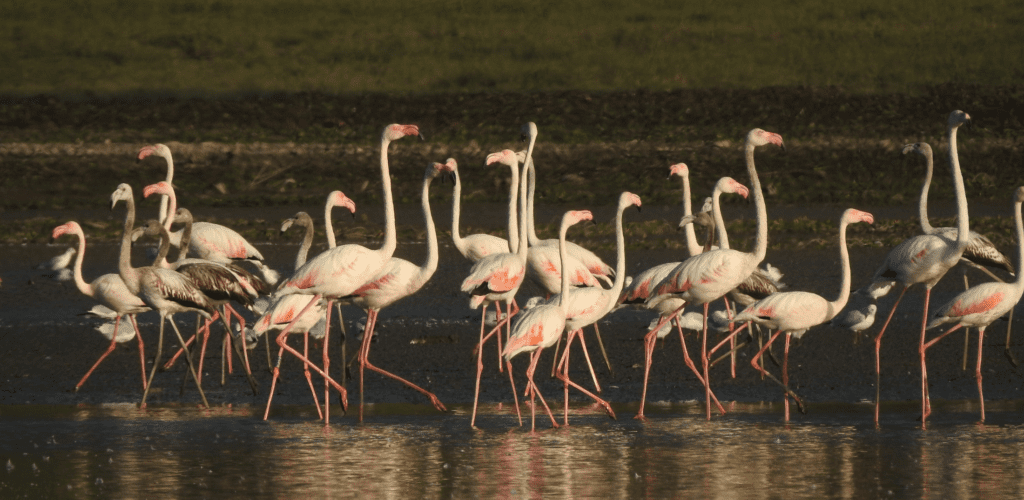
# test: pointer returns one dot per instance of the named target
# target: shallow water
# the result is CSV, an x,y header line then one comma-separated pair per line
x,y
403,451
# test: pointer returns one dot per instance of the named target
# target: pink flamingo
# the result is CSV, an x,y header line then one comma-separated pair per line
x,y
399,279
161,289
980,251
979,306
209,241
342,270
541,326
923,259
110,291
220,285
498,277
477,246
710,275
669,306
795,312
586,306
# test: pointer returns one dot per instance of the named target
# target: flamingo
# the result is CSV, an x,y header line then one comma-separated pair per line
x,y
477,246
218,283
110,291
586,306
710,275
342,270
399,279
59,265
923,259
541,326
209,241
980,251
498,277
670,306
795,312
979,306
163,290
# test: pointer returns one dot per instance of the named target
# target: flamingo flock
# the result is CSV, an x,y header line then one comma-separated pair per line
x,y
580,289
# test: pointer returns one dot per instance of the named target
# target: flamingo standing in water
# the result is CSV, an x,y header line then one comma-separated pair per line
x,y
980,251
923,259
209,241
540,326
710,275
399,279
342,270
979,306
586,306
497,277
670,306
110,291
163,290
795,312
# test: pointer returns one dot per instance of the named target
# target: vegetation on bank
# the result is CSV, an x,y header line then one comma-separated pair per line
x,y
217,47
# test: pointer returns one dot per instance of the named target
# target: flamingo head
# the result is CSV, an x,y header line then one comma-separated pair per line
x,y
1018,195
183,216
853,215
453,166
627,199
577,216
529,131
708,205
71,227
395,131
338,199
958,118
759,137
302,219
687,219
922,148
122,193
506,157
437,169
156,149
729,185
161,187
679,169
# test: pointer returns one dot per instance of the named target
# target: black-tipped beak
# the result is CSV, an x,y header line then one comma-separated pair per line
x,y
783,146
638,209
970,123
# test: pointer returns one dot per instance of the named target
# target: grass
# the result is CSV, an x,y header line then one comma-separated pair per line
x,y
240,46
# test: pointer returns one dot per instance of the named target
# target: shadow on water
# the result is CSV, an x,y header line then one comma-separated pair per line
x,y
409,451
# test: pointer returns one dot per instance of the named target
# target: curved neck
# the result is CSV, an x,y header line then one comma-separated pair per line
x,y
620,256
166,213
329,226
85,288
691,235
430,265
563,255
456,213
844,285
186,238
172,207
307,242
922,204
716,212
124,264
390,232
513,210
963,229
761,244
530,221
1019,282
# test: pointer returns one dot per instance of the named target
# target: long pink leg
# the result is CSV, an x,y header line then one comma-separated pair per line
x,y
649,340
753,362
977,373
926,407
693,368
604,353
515,396
282,343
364,359
142,349
202,352
878,348
113,344
174,359
327,364
535,390
704,363
586,355
371,318
309,377
480,366
563,374
785,375
497,314
732,339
